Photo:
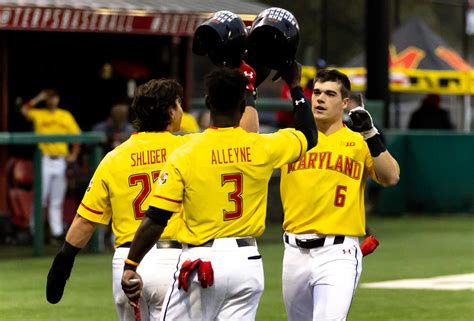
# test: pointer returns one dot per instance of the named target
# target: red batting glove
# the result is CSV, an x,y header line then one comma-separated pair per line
x,y
206,274
251,75
369,245
186,269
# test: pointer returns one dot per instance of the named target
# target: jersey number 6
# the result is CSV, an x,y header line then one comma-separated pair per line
x,y
340,198
234,196
146,183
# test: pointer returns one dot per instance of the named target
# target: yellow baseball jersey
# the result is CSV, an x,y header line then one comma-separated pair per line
x,y
121,187
323,192
189,124
221,178
58,121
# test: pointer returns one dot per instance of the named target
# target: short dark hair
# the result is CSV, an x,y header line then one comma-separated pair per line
x,y
356,98
153,102
337,76
225,89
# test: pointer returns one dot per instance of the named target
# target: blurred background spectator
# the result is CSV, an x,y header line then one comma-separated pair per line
x,y
430,115
116,127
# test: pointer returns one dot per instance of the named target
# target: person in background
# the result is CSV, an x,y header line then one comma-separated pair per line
x,y
116,127
430,115
56,156
189,124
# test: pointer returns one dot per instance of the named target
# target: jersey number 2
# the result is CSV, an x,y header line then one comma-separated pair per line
x,y
146,183
234,196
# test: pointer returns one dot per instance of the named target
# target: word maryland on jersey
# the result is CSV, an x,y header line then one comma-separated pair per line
x,y
325,160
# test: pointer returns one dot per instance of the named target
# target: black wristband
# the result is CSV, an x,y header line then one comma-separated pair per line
x,y
297,95
249,99
376,146
129,267
69,250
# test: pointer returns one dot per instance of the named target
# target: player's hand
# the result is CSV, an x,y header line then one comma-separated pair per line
x,y
250,74
57,276
292,76
369,245
41,96
71,158
362,122
132,285
187,268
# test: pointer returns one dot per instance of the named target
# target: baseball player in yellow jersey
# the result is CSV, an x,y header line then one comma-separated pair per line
x,y
53,120
323,202
120,190
220,178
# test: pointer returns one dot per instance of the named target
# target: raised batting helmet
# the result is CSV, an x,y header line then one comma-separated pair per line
x,y
222,38
273,39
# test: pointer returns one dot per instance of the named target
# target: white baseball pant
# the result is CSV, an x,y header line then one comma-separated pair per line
x,y
54,186
238,284
319,283
156,269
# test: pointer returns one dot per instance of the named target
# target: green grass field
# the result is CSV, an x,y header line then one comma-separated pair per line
x,y
410,248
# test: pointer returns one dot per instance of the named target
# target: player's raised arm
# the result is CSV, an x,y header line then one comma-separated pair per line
x,y
249,120
304,120
386,167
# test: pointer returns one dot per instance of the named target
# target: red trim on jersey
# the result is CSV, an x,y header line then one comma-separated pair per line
x,y
91,210
301,145
168,199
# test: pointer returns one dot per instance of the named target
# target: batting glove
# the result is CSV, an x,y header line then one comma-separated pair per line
x,y
59,272
185,272
250,74
362,122
206,274
369,245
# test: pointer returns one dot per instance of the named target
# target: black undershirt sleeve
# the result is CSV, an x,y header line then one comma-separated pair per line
x,y
304,119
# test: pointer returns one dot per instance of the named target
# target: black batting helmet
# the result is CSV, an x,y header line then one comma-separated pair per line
x,y
273,39
222,38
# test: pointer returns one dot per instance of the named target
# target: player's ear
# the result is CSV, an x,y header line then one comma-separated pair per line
x,y
207,101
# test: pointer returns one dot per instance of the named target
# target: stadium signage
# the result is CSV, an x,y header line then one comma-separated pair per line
x,y
81,20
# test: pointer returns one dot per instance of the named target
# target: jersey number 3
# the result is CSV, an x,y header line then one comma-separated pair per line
x,y
146,182
234,196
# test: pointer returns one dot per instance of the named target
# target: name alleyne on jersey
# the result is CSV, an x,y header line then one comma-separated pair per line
x,y
322,160
230,155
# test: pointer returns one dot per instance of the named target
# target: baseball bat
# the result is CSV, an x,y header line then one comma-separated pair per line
x,y
136,304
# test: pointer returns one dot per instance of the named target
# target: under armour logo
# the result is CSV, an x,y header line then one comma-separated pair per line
x,y
248,74
297,102
346,251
